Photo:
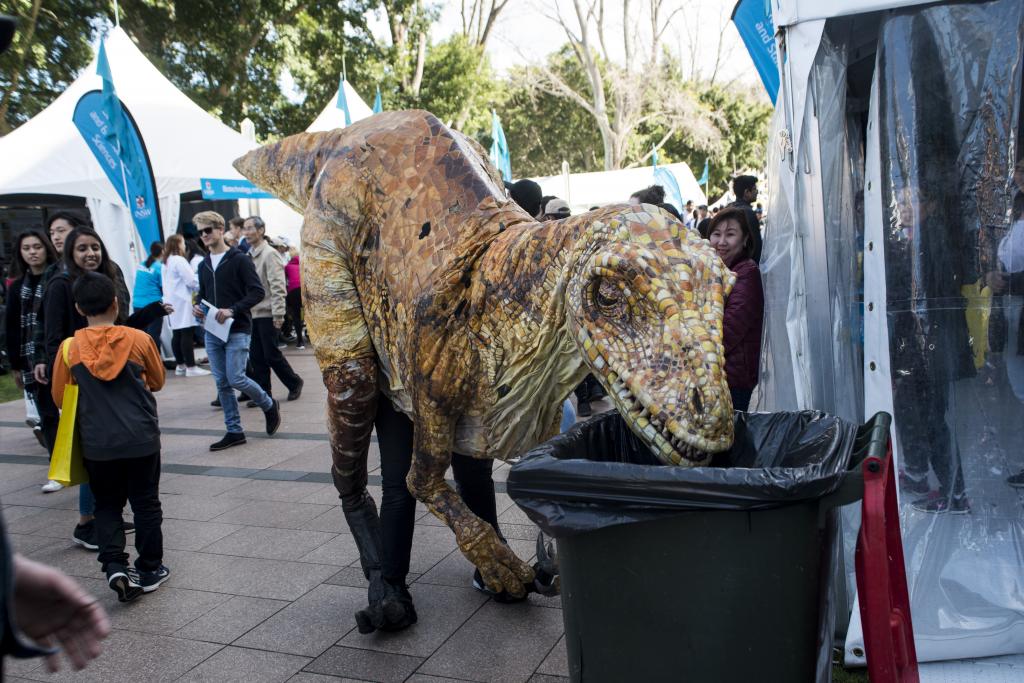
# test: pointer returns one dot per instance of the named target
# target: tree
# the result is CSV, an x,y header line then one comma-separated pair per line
x,y
409,24
478,19
233,68
622,96
50,48
746,114
543,128
460,86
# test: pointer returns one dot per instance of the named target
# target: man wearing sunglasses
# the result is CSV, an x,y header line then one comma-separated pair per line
x,y
228,280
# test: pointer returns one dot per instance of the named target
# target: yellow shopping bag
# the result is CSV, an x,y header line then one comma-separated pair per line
x,y
977,313
66,464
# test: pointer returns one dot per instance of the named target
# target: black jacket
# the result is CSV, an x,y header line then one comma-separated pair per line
x,y
116,369
233,285
13,332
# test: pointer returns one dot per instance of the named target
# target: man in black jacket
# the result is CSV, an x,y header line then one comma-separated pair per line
x,y
745,189
228,280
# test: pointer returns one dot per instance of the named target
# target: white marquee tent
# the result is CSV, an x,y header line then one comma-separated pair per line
x,y
279,217
584,190
332,115
48,155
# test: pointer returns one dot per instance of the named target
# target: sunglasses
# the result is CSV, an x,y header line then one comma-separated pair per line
x,y
206,231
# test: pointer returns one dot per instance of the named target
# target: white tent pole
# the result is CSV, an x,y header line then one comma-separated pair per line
x,y
117,14
565,174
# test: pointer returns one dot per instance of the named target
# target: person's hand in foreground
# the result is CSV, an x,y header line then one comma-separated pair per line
x,y
53,610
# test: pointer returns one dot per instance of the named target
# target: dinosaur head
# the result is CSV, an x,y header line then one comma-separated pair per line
x,y
645,304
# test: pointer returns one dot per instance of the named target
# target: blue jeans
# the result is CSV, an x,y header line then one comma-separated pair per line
x,y
568,417
86,501
227,363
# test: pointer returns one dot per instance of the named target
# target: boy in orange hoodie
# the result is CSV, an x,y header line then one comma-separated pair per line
x,y
116,369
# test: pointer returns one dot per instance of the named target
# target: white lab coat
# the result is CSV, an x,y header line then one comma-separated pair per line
x,y
180,282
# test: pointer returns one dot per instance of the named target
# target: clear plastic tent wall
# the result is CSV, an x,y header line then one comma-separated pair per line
x,y
916,202
949,100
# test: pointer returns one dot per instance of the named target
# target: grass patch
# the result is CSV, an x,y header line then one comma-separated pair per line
x,y
841,675
9,391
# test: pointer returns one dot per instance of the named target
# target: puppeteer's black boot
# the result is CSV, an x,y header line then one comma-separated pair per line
x,y
399,612
389,605
364,523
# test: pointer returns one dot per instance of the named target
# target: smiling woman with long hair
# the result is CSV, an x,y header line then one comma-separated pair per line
x,y
743,320
84,252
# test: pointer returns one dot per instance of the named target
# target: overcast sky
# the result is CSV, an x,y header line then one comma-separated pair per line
x,y
526,32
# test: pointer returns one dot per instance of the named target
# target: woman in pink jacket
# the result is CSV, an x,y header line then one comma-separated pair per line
x,y
294,299
744,309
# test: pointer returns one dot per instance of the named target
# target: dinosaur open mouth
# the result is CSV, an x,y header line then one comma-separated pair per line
x,y
649,427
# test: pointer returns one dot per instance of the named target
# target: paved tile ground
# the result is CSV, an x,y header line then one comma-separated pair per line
x,y
265,576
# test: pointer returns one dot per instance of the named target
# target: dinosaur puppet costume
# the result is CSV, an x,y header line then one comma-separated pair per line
x,y
424,282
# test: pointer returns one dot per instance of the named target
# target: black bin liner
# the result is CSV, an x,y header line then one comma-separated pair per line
x,y
719,573
599,474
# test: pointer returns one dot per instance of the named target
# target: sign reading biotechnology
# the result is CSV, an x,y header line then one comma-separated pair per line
x,y
113,137
226,188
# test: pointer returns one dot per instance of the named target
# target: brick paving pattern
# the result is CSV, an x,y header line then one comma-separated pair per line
x,y
265,577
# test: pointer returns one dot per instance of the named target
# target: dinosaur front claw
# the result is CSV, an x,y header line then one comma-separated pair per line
x,y
499,567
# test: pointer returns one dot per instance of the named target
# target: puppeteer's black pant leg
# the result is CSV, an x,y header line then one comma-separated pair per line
x,y
398,507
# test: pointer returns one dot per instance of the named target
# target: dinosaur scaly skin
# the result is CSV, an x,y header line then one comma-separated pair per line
x,y
423,281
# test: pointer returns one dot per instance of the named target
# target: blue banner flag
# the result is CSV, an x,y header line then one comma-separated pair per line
x,y
499,148
226,188
342,102
703,176
753,19
378,106
114,139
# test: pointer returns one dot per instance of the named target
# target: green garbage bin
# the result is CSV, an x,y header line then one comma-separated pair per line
x,y
712,574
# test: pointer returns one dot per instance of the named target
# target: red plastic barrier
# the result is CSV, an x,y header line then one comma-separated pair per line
x,y
882,579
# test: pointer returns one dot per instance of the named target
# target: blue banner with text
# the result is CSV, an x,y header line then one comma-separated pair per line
x,y
226,188
123,158
753,19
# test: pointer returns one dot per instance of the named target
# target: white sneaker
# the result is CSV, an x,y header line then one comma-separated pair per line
x,y
52,486
196,372
180,370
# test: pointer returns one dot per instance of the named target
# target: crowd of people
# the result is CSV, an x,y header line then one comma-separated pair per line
x,y
70,319
41,311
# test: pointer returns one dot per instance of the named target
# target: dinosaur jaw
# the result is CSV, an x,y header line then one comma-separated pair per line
x,y
669,447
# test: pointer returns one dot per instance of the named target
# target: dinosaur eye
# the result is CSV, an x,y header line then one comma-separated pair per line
x,y
607,297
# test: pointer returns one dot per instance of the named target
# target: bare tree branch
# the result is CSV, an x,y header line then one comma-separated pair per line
x,y
421,58
492,18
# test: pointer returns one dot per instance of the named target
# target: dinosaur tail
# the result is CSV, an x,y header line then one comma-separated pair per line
x,y
288,168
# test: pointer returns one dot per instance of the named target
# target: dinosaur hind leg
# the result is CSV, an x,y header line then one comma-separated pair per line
x,y
348,363
351,404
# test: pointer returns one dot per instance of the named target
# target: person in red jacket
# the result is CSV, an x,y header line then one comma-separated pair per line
x,y
731,237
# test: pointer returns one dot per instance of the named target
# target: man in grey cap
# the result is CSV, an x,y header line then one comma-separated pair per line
x,y
556,209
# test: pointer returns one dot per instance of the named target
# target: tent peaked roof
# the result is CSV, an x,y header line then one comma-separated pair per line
x,y
332,117
183,142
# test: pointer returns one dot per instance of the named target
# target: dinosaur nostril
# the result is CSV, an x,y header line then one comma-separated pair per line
x,y
698,405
